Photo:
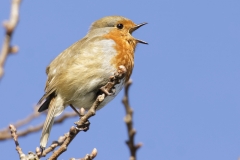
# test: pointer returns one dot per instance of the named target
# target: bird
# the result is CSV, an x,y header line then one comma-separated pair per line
x,y
75,76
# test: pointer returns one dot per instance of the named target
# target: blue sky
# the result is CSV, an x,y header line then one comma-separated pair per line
x,y
186,81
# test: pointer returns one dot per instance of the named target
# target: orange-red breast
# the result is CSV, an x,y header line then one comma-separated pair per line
x,y
76,75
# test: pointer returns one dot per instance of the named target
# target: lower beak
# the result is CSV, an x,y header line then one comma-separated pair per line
x,y
135,28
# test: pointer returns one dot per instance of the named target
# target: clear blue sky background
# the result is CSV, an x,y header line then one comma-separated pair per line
x,y
186,91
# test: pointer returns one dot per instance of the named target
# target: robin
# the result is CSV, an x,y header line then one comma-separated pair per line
x,y
76,75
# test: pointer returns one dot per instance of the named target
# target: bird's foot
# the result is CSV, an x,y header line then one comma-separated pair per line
x,y
84,127
104,89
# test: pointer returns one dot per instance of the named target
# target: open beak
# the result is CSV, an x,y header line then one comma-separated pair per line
x,y
135,28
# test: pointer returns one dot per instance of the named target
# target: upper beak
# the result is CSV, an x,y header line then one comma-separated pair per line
x,y
135,28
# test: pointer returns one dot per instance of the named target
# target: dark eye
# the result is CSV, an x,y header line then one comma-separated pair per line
x,y
119,26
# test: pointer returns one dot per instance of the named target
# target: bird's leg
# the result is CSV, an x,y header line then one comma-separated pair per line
x,y
75,110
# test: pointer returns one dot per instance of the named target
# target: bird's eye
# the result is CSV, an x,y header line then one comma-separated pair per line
x,y
119,26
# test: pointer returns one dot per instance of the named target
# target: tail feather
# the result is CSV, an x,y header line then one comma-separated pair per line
x,y
45,101
48,123
46,132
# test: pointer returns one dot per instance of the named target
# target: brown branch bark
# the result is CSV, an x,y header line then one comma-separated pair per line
x,y
9,27
129,122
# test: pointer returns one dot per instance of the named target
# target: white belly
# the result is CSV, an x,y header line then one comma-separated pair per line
x,y
88,100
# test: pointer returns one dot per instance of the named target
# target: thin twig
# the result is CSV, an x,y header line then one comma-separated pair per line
x,y
22,122
81,124
129,122
88,156
9,27
13,131
5,135
28,119
22,156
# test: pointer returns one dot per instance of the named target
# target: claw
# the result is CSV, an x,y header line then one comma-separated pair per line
x,y
111,78
104,90
113,91
42,149
84,127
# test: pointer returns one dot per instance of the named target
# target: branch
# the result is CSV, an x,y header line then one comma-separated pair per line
x,y
22,122
5,135
88,157
83,124
129,122
22,156
9,26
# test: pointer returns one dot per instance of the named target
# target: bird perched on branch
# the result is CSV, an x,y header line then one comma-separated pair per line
x,y
76,75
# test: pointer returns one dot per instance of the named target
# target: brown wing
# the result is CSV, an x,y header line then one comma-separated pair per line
x,y
54,70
